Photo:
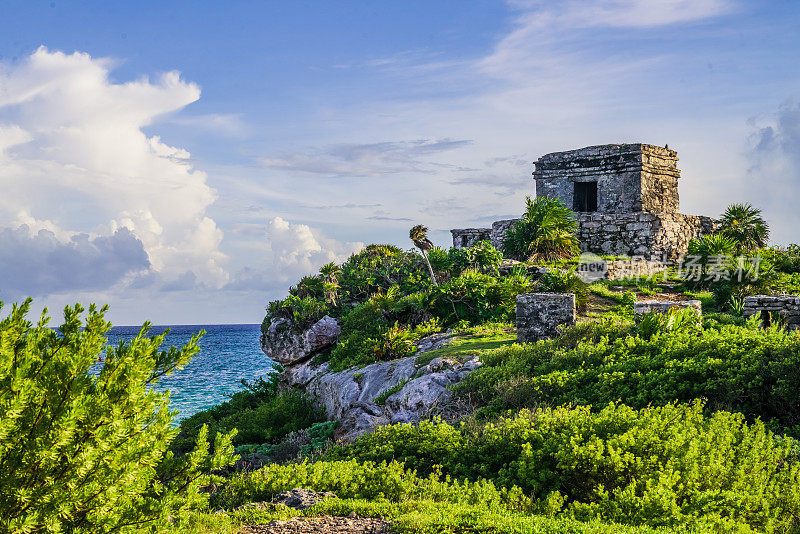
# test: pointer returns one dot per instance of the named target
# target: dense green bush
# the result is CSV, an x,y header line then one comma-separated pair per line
x,y
260,414
379,267
478,297
350,479
84,449
667,466
303,311
546,231
742,368
784,259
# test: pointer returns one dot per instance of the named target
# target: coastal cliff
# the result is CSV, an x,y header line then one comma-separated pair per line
x,y
407,390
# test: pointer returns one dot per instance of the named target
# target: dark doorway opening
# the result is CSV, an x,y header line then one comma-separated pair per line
x,y
585,196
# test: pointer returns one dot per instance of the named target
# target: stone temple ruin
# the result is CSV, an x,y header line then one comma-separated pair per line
x,y
625,198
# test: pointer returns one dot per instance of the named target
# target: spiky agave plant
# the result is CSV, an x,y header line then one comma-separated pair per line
x,y
546,232
419,236
744,224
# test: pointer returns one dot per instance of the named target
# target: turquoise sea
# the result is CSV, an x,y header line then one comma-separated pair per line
x,y
229,353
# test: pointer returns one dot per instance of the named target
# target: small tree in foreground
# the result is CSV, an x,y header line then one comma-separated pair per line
x,y
85,449
419,236
546,232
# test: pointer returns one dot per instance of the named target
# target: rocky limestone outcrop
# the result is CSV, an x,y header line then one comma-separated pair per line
x,y
287,344
418,390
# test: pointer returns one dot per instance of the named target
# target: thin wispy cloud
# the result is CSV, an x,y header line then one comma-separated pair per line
x,y
366,160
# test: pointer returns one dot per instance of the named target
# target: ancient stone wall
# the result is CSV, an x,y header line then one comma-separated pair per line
x,y
540,315
672,233
633,268
630,177
651,236
787,306
466,237
499,229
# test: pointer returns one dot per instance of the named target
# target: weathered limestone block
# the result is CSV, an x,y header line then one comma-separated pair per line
x,y
499,229
663,306
787,306
633,268
540,315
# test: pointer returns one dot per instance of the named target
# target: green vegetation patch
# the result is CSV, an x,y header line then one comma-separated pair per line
x,y
260,413
670,466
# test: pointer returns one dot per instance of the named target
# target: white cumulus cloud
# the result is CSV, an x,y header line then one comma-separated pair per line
x,y
287,252
74,160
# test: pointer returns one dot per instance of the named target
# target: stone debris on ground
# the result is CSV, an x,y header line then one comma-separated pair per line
x,y
434,341
642,307
300,499
322,525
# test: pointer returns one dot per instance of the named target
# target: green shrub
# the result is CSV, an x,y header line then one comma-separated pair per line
x,y
785,260
260,414
742,368
304,312
350,479
478,297
85,450
379,267
545,232
668,466
685,320
309,287
320,435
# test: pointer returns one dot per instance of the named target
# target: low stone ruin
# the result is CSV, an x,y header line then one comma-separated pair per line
x,y
540,315
466,237
663,306
787,306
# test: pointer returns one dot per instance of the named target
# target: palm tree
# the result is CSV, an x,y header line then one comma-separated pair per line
x,y
546,232
419,236
744,224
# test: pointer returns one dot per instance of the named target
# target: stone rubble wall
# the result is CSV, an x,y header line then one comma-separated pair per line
x,y
652,236
541,315
630,177
663,306
633,268
786,305
499,229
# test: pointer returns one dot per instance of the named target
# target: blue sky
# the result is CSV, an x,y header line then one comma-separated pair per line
x,y
187,161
